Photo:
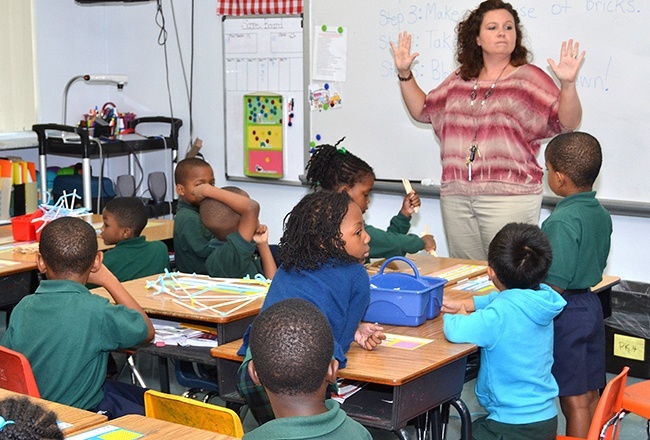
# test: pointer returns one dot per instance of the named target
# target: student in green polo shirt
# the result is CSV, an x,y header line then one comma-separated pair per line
x,y
133,256
66,332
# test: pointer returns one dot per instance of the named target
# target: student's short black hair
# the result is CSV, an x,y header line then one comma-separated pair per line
x,y
330,167
578,155
292,345
219,218
129,212
520,255
312,232
185,166
68,245
30,420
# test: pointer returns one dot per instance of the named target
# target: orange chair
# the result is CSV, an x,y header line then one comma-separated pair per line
x,y
609,411
16,373
636,400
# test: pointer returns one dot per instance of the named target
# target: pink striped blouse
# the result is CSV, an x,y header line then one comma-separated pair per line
x,y
520,113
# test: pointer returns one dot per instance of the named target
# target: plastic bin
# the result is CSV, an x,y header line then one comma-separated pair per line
x,y
22,227
627,330
398,298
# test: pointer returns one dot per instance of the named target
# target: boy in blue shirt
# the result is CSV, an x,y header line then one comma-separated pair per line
x,y
514,328
579,230
293,346
67,333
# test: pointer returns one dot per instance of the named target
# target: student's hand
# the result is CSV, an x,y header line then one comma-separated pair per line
x,y
201,191
429,243
261,235
369,335
454,307
411,201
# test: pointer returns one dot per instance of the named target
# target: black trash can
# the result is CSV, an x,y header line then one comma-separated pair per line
x,y
627,330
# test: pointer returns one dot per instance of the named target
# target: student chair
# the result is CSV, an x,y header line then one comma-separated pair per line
x,y
193,377
636,400
609,412
189,412
16,373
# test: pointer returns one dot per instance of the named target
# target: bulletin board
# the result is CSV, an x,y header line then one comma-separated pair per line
x,y
263,56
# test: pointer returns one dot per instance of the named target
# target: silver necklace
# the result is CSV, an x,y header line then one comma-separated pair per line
x,y
473,148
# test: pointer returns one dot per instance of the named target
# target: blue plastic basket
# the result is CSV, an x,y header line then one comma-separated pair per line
x,y
398,298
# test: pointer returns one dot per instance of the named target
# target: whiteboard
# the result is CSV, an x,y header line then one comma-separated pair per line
x,y
263,54
613,82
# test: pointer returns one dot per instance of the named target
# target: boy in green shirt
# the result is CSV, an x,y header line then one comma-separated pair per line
x,y
191,238
133,256
67,333
293,347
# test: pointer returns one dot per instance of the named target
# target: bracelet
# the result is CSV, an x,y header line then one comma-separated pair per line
x,y
408,78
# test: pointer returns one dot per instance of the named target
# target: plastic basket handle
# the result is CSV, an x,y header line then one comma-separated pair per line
x,y
416,273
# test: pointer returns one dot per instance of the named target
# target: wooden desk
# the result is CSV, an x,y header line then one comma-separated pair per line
x,y
228,327
415,381
79,419
155,429
18,274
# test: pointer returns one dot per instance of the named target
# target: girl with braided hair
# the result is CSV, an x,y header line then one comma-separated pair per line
x,y
336,169
322,249
22,419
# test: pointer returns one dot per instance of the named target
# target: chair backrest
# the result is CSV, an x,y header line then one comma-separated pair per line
x,y
608,411
16,373
189,412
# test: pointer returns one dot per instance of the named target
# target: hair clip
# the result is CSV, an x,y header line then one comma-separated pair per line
x,y
342,150
4,423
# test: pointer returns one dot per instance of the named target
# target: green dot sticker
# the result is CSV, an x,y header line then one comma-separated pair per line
x,y
323,28
340,30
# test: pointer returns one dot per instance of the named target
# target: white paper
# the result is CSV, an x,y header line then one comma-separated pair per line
x,y
330,53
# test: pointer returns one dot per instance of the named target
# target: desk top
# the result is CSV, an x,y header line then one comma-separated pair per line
x,y
388,365
79,419
19,256
155,429
165,306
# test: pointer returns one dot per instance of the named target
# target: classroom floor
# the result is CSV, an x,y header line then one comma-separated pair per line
x,y
633,427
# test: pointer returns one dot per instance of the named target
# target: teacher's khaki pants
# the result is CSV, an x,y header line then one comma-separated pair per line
x,y
471,222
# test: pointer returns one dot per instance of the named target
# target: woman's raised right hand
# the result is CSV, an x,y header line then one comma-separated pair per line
x,y
402,53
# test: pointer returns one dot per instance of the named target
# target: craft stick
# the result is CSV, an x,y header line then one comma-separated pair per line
x,y
240,306
181,303
408,188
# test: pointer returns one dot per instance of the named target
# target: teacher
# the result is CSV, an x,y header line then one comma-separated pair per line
x,y
491,116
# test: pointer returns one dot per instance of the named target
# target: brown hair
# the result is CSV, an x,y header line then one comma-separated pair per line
x,y
469,54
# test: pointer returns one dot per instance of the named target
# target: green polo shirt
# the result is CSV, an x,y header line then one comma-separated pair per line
x,y
191,239
579,230
137,258
333,424
395,240
234,258
67,333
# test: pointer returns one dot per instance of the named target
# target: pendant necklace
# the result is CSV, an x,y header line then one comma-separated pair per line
x,y
473,148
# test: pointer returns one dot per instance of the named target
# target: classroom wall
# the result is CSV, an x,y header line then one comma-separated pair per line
x,y
122,38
